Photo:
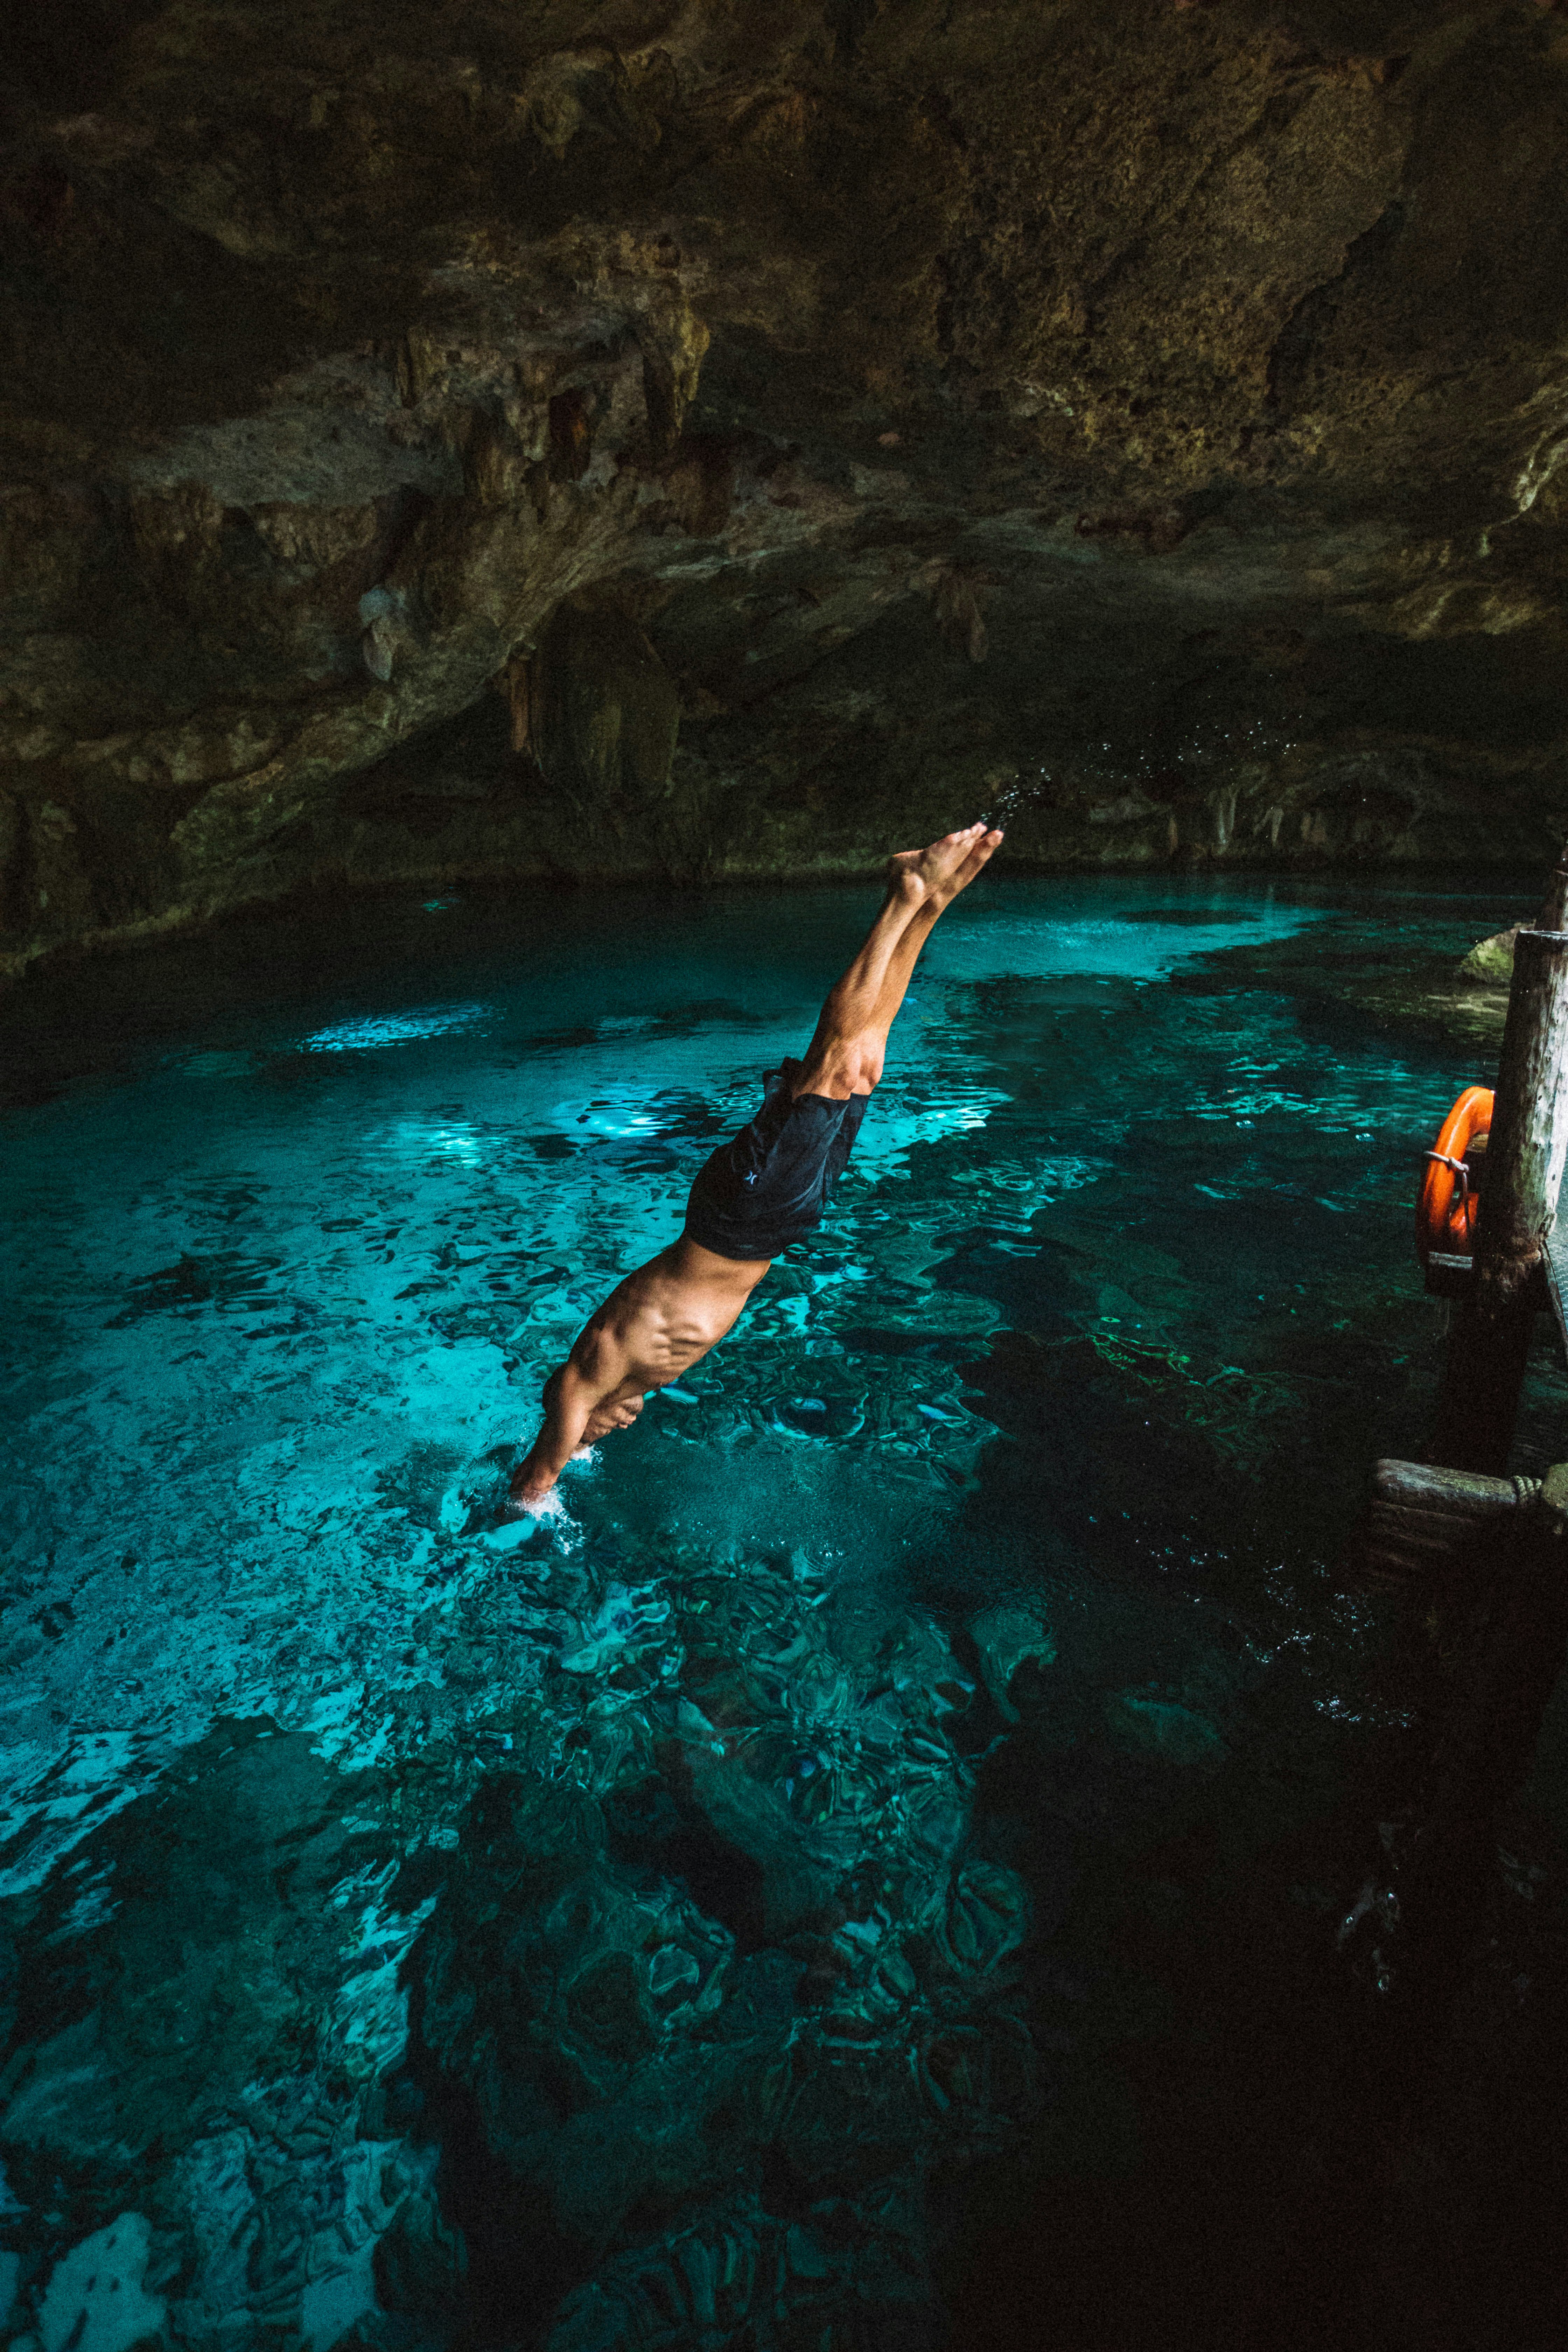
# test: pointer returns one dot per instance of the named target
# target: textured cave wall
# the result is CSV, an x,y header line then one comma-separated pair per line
x,y
714,438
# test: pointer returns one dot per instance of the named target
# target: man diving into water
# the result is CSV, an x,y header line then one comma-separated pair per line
x,y
765,1189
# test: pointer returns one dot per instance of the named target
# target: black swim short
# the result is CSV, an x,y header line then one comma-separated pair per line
x,y
770,1185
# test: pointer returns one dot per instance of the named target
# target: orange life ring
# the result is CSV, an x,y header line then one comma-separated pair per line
x,y
1445,1206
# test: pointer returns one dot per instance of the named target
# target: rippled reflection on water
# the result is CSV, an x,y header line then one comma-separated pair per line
x,y
624,1932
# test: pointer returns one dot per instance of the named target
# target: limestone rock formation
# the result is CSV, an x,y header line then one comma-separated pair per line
x,y
1491,960
1146,421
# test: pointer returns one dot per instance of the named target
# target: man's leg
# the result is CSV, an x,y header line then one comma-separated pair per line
x,y
846,1054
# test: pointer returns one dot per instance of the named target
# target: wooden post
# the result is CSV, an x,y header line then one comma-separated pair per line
x,y
1491,1556
1529,1140
1489,1341
1484,1748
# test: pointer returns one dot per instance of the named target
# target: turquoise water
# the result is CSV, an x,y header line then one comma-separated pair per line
x,y
672,1923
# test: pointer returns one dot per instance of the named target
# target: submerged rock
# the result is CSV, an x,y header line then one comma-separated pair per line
x,y
800,1970
1164,1728
1005,1637
96,2299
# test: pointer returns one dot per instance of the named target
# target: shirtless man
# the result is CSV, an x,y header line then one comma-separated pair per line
x,y
765,1189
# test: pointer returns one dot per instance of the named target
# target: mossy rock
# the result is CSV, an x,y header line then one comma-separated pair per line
x,y
1493,961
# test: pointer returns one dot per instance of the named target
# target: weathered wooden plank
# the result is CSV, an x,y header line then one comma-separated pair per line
x,y
1555,1252
1461,1494
1420,1519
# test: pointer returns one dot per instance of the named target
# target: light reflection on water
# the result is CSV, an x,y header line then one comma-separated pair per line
x,y
367,1035
663,1853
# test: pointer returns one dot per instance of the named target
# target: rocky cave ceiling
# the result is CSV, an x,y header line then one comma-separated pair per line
x,y
718,437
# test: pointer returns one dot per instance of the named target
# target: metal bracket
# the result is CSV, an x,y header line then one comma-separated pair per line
x,y
1448,1276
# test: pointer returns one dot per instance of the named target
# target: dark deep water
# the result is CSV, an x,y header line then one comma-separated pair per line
x,y
867,1875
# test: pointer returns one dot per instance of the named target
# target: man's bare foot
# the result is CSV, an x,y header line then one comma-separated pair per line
x,y
940,872
981,855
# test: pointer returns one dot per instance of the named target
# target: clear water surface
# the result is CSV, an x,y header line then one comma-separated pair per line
x,y
932,1749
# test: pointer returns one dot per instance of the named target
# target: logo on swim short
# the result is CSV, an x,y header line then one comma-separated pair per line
x,y
751,1176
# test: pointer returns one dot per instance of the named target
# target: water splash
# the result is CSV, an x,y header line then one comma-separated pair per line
x,y
1206,755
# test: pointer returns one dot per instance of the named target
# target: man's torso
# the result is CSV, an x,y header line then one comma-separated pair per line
x,y
653,1328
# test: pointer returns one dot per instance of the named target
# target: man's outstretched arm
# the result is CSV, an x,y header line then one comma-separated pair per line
x,y
569,1403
